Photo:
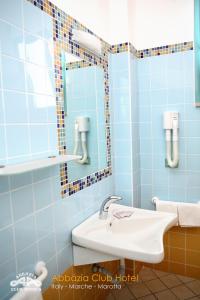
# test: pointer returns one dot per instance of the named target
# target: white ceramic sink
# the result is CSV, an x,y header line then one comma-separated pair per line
x,y
138,237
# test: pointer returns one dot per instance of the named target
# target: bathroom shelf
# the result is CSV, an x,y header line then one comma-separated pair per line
x,y
36,164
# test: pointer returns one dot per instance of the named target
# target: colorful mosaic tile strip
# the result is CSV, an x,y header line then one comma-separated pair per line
x,y
80,184
78,65
63,42
168,49
119,48
124,47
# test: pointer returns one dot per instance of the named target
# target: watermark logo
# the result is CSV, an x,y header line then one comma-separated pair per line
x,y
25,279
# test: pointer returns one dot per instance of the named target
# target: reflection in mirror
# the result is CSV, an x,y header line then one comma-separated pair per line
x,y
84,117
197,50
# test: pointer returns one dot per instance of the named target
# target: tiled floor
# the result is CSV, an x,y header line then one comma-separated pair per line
x,y
159,285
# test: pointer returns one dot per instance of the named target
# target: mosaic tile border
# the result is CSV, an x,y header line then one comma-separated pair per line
x,y
124,47
78,65
62,37
168,49
119,48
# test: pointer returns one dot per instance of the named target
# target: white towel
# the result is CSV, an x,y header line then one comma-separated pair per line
x,y
31,292
166,206
189,214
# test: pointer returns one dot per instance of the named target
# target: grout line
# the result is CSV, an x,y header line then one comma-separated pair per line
x,y
195,295
25,30
27,61
29,184
33,213
28,92
34,243
32,123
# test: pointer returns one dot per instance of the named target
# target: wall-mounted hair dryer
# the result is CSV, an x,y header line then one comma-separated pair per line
x,y
81,129
171,127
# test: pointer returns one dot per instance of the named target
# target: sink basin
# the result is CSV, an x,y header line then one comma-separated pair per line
x,y
138,237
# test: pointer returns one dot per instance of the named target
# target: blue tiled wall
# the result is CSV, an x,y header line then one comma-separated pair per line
x,y
27,100
125,136
140,95
166,83
35,223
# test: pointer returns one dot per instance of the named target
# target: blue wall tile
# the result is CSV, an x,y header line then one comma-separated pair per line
x,y
13,74
14,46
15,102
193,194
38,108
22,202
19,180
1,108
65,259
25,233
120,79
27,259
51,109
171,90
14,147
13,15
47,27
118,62
143,67
36,78
39,138
42,193
33,19
46,247
7,251
3,144
53,139
4,186
158,97
35,45
5,212
44,222
7,274
52,271
41,174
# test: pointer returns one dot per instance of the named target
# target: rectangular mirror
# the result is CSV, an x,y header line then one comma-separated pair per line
x,y
197,50
84,95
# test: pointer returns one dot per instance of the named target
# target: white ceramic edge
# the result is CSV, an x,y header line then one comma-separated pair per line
x,y
36,164
81,240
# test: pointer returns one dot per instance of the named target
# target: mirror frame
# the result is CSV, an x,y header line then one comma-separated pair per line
x,y
92,165
197,51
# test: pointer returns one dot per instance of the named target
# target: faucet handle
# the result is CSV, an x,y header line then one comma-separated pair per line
x,y
111,200
105,206
115,198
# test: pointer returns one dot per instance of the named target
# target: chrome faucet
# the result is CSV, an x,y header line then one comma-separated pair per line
x,y
103,213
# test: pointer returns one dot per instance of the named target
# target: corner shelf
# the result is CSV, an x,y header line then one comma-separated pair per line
x,y
36,164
